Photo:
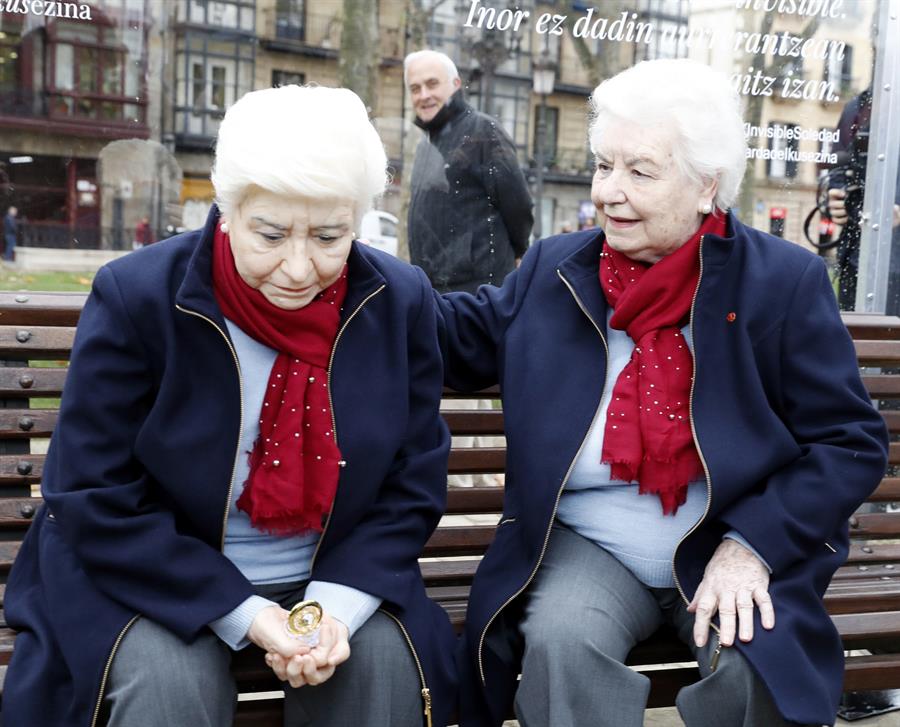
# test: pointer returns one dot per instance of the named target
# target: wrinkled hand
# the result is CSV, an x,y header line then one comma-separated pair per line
x,y
837,208
733,581
316,665
267,632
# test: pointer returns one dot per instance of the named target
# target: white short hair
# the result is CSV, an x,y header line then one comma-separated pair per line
x,y
698,103
452,72
305,141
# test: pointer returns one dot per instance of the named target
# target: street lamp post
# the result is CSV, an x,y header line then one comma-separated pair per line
x,y
544,78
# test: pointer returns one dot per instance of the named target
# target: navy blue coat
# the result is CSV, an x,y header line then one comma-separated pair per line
x,y
137,479
789,438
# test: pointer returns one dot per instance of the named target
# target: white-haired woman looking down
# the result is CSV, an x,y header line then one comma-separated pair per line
x,y
687,435
248,450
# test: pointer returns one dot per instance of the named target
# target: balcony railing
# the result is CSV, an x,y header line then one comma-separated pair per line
x,y
73,110
567,161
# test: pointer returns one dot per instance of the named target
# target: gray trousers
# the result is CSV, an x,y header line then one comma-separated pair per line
x,y
583,613
156,680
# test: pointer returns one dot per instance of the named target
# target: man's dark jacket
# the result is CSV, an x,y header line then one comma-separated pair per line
x,y
469,212
137,479
789,439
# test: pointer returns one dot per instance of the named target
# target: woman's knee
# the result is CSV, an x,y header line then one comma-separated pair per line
x,y
151,663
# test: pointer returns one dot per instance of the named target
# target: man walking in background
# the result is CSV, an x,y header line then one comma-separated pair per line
x,y
470,211
10,230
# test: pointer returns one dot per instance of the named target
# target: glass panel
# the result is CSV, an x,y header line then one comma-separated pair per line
x,y
222,13
111,73
197,11
86,61
198,86
10,61
65,67
83,32
248,19
286,78
289,16
217,98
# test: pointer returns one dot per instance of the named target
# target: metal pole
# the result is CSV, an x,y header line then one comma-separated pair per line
x,y
539,161
881,172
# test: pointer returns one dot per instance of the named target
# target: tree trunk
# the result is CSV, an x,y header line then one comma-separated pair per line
x,y
359,57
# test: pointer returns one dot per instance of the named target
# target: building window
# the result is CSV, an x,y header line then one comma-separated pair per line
x,y
233,14
839,68
212,73
783,146
287,78
791,66
74,70
289,19
551,133
669,22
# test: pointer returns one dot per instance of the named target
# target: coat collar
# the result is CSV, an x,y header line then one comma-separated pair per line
x,y
456,105
581,269
196,290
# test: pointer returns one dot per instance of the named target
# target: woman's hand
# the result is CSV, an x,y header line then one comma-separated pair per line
x,y
316,665
733,581
268,633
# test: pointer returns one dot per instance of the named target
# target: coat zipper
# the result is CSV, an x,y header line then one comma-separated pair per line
x,y
122,633
558,494
426,692
715,659
106,669
237,450
342,463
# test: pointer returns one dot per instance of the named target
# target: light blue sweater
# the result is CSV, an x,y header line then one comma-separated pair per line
x,y
264,558
612,514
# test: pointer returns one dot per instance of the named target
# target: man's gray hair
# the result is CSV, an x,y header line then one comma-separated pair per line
x,y
452,73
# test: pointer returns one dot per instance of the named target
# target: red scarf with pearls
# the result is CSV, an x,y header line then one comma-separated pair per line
x,y
648,434
295,461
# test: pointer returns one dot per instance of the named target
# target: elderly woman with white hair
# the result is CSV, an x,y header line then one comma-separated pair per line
x,y
249,449
687,435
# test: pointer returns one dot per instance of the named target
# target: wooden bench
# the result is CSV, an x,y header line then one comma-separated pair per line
x,y
864,598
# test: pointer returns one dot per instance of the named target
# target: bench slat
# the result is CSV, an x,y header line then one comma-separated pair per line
x,y
469,540
468,500
888,491
20,469
875,525
22,382
27,423
878,353
487,460
474,422
41,309
21,343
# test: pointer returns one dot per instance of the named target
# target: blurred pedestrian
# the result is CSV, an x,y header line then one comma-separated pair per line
x,y
10,231
470,213
143,234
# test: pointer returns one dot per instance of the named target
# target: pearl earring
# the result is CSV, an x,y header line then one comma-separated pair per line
x,y
706,208
224,227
